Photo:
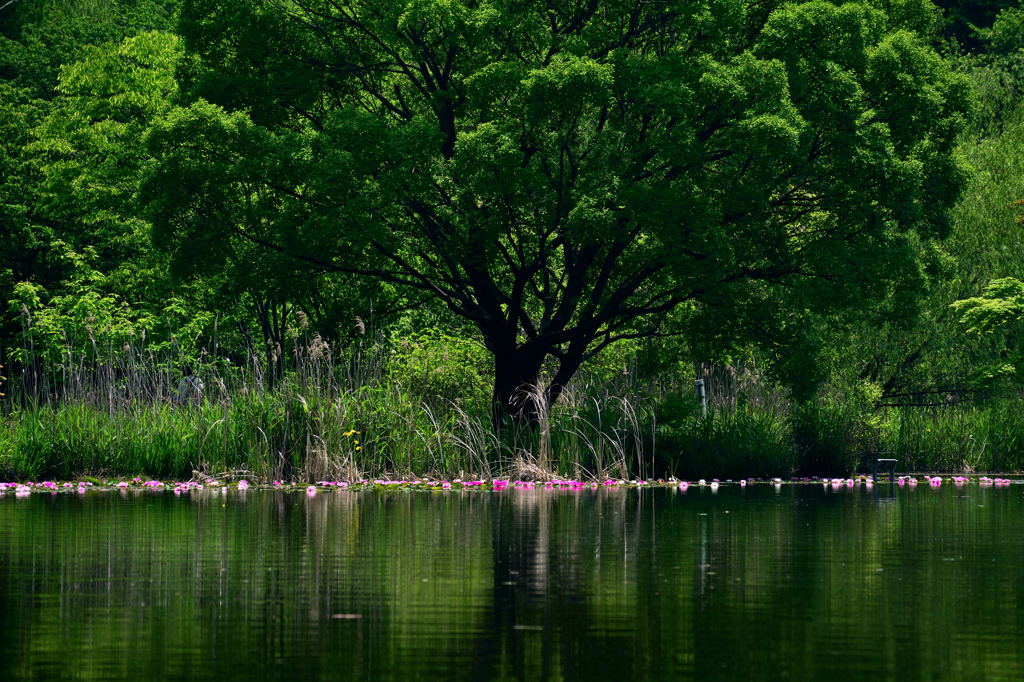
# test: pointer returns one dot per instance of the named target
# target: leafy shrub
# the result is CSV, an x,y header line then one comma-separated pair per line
x,y
833,433
442,368
744,443
823,437
674,410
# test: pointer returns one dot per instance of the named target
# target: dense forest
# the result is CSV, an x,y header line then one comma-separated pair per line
x,y
471,238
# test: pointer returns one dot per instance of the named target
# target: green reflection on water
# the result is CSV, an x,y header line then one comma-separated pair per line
x,y
798,583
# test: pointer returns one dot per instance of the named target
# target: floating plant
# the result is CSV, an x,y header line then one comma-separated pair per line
x,y
460,485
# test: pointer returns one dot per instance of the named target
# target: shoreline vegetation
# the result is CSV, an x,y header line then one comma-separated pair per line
x,y
518,267
401,411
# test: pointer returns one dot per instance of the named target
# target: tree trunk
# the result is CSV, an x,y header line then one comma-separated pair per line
x,y
518,393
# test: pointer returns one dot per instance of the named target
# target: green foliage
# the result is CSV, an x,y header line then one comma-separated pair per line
x,y
363,412
72,319
745,443
998,73
40,36
988,437
92,142
78,438
834,434
441,368
85,320
1001,305
963,18
674,410
822,436
564,180
936,353
570,184
58,176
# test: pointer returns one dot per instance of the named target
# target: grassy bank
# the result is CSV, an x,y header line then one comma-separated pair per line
x,y
380,434
285,434
389,412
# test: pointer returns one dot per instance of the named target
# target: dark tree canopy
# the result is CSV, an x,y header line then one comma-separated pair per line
x,y
567,174
962,18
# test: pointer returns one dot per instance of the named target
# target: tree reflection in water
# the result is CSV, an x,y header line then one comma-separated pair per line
x,y
753,583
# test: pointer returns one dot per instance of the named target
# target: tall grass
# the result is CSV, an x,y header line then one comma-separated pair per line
x,y
986,437
363,413
339,416
743,443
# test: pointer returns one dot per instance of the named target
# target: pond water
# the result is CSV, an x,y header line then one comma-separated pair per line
x,y
796,582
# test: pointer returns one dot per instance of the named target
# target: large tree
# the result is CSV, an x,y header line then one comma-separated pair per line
x,y
565,173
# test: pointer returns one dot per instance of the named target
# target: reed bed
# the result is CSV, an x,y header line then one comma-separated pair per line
x,y
362,413
370,413
957,439
287,435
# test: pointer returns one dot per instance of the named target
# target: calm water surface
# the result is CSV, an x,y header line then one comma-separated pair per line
x,y
799,583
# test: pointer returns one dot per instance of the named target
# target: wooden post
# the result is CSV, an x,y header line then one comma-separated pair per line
x,y
702,397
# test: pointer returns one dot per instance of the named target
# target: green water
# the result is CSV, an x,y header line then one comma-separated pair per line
x,y
795,583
